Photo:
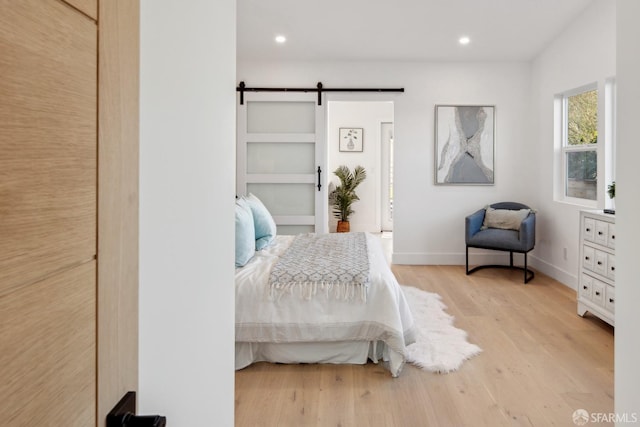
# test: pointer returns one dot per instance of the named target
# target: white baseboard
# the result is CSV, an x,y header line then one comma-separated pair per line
x,y
562,276
409,258
478,258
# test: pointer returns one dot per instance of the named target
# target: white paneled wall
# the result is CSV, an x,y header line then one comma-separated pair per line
x,y
627,351
187,153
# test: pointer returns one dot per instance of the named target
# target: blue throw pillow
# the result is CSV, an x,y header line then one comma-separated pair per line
x,y
245,233
265,226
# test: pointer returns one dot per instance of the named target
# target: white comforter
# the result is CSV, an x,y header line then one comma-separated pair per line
x,y
384,319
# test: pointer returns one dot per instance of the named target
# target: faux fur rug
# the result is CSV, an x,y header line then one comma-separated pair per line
x,y
440,346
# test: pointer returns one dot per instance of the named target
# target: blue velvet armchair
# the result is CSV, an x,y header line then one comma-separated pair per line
x,y
520,241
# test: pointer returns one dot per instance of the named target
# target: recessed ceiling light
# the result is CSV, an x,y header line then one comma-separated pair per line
x,y
281,39
464,40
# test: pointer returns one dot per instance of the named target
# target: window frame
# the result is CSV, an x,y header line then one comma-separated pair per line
x,y
565,148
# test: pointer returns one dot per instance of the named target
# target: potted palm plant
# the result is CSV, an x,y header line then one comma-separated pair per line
x,y
344,195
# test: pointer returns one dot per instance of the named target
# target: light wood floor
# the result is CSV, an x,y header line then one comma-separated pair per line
x,y
540,363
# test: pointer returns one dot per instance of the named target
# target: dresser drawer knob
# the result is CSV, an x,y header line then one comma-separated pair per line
x,y
584,287
613,237
599,233
613,269
587,258
597,293
599,262
611,300
588,230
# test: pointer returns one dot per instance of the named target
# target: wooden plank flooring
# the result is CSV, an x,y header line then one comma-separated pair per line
x,y
540,363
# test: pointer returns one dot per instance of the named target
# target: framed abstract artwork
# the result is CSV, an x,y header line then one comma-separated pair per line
x,y
351,139
465,144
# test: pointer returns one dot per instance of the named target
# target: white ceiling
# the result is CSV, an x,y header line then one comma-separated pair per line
x,y
500,30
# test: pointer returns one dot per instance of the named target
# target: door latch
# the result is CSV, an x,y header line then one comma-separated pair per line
x,y
123,415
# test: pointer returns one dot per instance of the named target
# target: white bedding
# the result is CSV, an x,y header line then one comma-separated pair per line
x,y
291,329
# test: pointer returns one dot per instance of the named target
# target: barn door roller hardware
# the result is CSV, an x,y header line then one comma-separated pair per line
x,y
242,88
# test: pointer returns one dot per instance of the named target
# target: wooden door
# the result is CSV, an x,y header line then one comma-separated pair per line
x,y
68,253
48,199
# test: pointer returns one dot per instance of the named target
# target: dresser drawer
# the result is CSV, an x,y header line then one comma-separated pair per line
x,y
586,287
589,229
612,236
611,267
610,298
602,233
600,263
598,295
588,257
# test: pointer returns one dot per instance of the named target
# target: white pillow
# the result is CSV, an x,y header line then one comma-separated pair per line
x,y
506,219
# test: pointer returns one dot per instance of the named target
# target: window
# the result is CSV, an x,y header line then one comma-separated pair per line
x,y
580,144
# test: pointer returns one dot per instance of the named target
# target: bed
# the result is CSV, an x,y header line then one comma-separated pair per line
x,y
320,323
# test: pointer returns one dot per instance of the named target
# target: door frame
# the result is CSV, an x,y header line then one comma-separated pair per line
x,y
365,97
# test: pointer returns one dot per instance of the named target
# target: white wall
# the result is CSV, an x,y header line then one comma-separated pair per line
x,y
428,220
583,54
627,345
368,116
187,153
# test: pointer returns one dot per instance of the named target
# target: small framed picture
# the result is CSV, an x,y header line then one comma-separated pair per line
x,y
351,139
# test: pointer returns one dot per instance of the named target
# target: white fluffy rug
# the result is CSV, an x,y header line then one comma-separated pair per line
x,y
440,346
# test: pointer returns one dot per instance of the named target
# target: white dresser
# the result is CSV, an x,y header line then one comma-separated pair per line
x,y
596,283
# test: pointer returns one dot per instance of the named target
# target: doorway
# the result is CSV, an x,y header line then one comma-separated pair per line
x,y
368,118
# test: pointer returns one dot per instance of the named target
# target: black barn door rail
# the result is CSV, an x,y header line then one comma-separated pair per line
x,y
242,88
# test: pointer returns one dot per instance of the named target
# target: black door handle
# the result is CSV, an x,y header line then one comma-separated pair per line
x,y
144,421
123,415
319,172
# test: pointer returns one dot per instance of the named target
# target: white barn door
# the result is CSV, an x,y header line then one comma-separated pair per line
x,y
280,146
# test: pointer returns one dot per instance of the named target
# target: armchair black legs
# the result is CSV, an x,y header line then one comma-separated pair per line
x,y
528,274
